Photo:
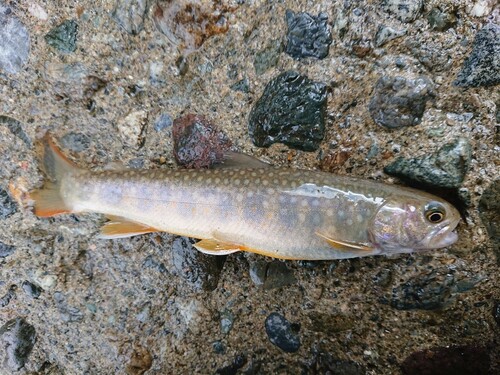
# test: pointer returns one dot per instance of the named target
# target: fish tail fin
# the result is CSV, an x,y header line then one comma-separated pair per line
x,y
55,165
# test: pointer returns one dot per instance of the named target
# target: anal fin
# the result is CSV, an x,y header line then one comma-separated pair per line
x,y
120,228
344,245
214,247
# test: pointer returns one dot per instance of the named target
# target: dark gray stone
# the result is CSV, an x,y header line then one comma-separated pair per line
x,y
15,41
430,291
6,250
445,168
16,128
200,270
130,14
5,300
69,314
399,102
226,321
482,67
403,10
441,20
489,211
282,333
63,36
232,369
18,338
291,111
242,85
271,275
7,205
76,142
496,312
163,122
323,362
307,36
32,290
268,57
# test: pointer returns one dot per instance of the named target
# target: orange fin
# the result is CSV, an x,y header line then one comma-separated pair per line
x,y
214,247
121,228
344,245
48,200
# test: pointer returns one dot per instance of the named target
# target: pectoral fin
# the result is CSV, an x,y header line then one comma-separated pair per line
x,y
120,228
214,247
344,245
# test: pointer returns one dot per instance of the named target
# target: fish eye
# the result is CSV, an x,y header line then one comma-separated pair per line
x,y
434,212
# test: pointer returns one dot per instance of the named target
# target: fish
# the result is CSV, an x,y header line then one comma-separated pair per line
x,y
273,211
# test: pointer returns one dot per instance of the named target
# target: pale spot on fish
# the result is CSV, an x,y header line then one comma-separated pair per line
x,y
359,217
239,198
304,203
265,182
270,191
349,222
329,213
237,181
302,217
246,181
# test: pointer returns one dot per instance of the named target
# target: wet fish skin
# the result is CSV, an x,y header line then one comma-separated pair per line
x,y
279,212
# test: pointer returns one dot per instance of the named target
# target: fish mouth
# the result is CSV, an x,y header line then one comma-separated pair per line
x,y
441,237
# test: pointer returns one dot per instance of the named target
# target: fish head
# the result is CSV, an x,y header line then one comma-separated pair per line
x,y
405,224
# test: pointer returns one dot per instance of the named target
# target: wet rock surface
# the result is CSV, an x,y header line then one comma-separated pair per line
x,y
464,360
307,35
63,36
398,102
482,67
291,110
446,168
200,270
197,142
282,333
15,46
17,338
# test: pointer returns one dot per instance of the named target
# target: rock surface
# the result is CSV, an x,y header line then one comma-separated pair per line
x,y
282,333
63,37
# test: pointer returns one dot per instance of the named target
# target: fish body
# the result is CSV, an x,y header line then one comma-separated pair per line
x,y
278,212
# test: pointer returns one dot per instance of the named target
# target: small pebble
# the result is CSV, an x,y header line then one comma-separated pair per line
x,y
76,142
398,102
15,45
131,128
32,290
7,205
63,37
242,85
307,36
17,338
386,34
268,57
441,20
282,333
6,250
163,122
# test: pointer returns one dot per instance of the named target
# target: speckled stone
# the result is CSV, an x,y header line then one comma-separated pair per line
x,y
403,10
398,102
441,19
15,45
7,205
32,290
63,37
291,111
17,339
445,168
482,67
16,128
307,36
463,360
130,14
163,121
198,143
386,33
242,85
282,333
